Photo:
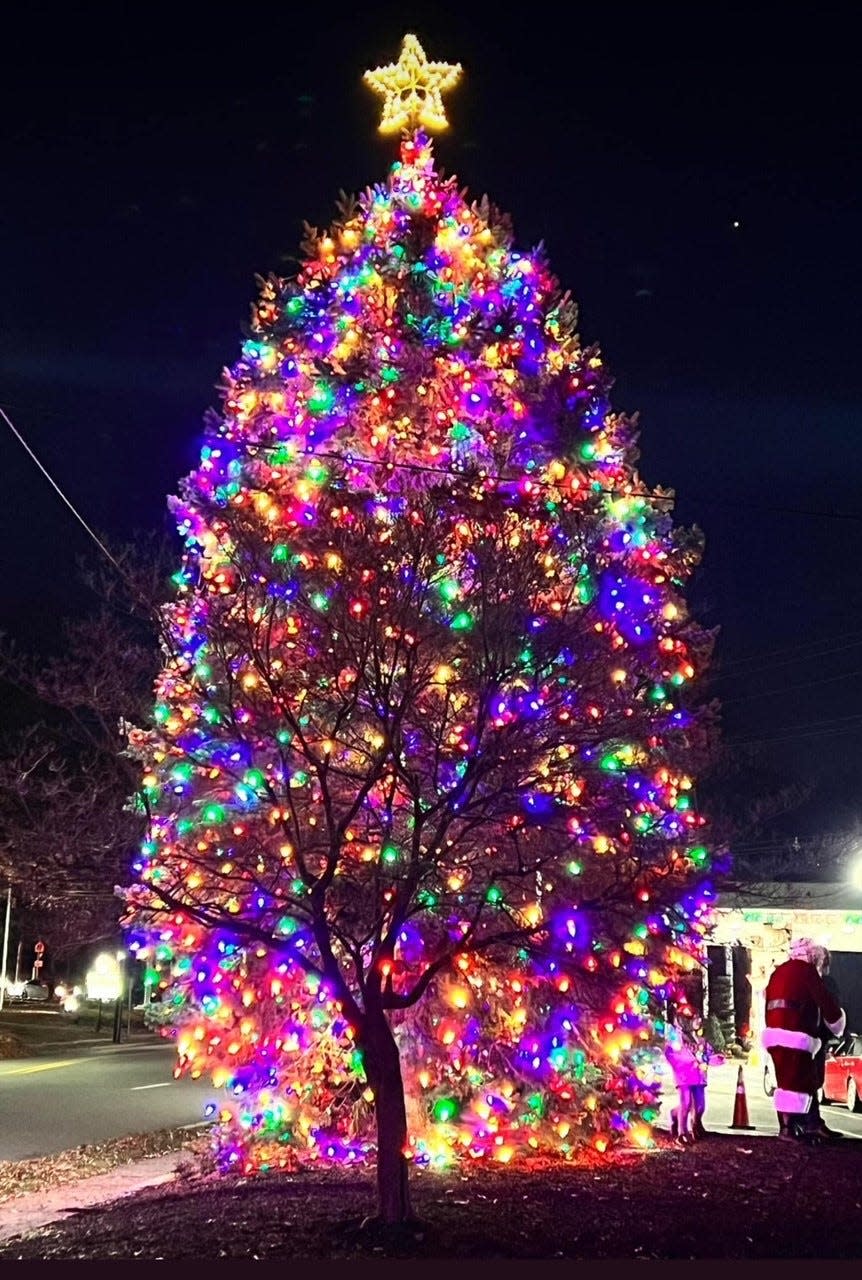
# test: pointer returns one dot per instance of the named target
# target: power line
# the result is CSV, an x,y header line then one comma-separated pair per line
x,y
643,492
389,465
75,512
352,460
151,608
791,688
791,648
812,724
797,737
812,729
789,662
777,510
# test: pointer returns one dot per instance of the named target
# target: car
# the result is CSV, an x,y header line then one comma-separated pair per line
x,y
37,992
31,992
769,1082
843,1079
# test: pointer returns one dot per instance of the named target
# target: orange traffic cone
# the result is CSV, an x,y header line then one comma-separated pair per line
x,y
740,1106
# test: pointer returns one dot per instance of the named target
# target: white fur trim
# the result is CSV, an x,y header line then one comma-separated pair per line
x,y
781,1038
838,1028
797,1104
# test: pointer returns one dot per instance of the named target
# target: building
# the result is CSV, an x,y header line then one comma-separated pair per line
x,y
752,930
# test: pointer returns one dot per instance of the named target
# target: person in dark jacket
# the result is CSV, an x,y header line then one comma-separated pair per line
x,y
814,1121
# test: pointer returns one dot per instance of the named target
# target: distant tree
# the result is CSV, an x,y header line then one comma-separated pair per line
x,y
66,826
746,794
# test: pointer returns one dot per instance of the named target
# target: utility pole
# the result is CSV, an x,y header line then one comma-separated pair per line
x,y
5,946
129,1007
118,1003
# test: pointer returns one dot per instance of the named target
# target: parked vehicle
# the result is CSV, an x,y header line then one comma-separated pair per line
x,y
32,992
843,1081
769,1081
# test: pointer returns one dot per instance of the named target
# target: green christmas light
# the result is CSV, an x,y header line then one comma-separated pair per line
x,y
321,400
445,1110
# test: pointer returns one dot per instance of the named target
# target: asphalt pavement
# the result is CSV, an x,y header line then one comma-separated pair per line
x,y
90,1094
721,1096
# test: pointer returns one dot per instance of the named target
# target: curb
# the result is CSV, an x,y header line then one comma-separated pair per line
x,y
36,1048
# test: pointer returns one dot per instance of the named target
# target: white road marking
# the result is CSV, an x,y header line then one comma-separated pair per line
x,y
163,1084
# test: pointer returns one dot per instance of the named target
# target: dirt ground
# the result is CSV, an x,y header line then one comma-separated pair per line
x,y
724,1198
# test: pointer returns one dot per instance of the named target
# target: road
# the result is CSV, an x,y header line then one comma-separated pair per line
x,y
51,1103
89,1094
721,1094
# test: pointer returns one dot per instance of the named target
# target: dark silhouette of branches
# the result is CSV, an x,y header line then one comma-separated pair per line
x,y
67,829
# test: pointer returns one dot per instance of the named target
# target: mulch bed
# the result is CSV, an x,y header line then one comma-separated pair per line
x,y
724,1198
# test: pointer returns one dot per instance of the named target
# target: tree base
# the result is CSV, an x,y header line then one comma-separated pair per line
x,y
377,1223
387,1237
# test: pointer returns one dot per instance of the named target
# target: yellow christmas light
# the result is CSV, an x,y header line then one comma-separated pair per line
x,y
411,89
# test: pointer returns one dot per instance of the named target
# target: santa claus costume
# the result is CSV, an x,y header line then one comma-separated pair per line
x,y
796,1000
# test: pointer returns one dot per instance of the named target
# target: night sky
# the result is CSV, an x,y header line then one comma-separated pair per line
x,y
155,158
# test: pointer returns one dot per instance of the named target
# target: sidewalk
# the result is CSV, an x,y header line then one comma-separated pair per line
x,y
39,1208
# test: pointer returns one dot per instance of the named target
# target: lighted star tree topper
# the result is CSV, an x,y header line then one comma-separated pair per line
x,y
412,89
423,862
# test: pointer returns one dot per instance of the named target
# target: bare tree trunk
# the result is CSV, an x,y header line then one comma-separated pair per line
x,y
383,1067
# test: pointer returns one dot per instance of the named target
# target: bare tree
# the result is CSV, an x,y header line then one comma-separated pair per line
x,y
68,820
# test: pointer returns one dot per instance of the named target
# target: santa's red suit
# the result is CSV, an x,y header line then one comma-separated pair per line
x,y
796,999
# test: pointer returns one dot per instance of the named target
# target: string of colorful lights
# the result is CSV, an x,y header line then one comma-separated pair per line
x,y
423,742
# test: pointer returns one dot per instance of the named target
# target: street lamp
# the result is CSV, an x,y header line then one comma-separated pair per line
x,y
855,876
118,1002
104,983
104,980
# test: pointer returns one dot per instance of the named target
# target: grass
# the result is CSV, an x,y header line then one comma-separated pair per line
x,y
26,1029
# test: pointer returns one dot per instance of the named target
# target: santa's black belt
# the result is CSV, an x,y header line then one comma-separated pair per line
x,y
783,1004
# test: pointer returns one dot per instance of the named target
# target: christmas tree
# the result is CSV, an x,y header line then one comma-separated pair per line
x,y
423,864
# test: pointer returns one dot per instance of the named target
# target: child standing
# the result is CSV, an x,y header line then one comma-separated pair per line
x,y
689,1056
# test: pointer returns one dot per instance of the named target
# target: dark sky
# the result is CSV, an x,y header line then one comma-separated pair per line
x,y
156,156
